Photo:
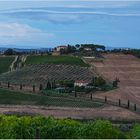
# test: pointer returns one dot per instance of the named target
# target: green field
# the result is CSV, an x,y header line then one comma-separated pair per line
x,y
20,98
5,62
69,60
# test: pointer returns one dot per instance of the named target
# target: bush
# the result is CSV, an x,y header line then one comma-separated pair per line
x,y
9,52
99,81
67,83
135,132
101,130
26,127
107,87
64,129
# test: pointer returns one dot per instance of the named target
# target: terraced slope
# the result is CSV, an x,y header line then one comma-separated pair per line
x,y
127,69
40,74
5,63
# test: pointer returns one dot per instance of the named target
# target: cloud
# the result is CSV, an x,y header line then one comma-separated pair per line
x,y
43,12
6,4
67,15
13,33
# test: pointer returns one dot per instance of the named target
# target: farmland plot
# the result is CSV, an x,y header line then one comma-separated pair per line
x,y
40,74
5,63
127,69
49,59
25,98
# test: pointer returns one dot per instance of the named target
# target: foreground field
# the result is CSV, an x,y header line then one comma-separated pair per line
x,y
103,112
48,59
39,127
20,98
5,63
12,102
39,74
127,69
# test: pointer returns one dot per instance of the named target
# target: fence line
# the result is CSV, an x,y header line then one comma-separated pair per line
x,y
127,104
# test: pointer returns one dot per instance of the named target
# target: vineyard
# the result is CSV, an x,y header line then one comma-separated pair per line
x,y
49,59
5,63
40,74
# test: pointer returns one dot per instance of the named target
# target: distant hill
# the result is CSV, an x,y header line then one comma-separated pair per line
x,y
23,49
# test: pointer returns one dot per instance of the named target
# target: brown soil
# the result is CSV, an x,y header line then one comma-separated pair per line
x,y
107,112
127,69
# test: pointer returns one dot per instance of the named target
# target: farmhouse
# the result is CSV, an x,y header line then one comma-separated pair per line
x,y
81,83
87,49
58,48
56,53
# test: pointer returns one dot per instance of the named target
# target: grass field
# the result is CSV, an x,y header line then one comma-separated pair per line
x,y
19,98
5,62
69,60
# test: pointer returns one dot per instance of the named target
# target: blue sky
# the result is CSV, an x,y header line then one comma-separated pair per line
x,y
50,23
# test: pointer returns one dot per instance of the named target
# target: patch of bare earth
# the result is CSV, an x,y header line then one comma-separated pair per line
x,y
127,69
107,112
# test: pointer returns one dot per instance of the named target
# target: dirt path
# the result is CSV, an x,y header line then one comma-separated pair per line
x,y
75,113
127,69
13,63
21,61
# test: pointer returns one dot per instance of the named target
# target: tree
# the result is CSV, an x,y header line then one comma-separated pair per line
x,y
49,85
67,83
115,83
62,51
77,46
9,52
135,132
70,49
98,81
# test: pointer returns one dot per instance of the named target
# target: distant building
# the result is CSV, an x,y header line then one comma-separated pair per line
x,y
56,53
87,49
81,83
58,48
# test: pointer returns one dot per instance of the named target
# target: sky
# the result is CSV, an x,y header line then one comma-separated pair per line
x,y
49,23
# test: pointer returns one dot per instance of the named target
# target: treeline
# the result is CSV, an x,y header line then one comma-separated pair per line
x,y
27,127
83,49
11,51
135,52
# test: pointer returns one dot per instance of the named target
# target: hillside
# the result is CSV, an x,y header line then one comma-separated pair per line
x,y
127,69
40,74
25,98
5,63
49,59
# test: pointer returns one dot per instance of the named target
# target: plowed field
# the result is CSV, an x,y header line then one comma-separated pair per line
x,y
127,69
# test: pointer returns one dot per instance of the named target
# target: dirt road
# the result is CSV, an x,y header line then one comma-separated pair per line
x,y
107,112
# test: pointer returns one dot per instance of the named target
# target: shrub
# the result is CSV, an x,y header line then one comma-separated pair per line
x,y
27,127
99,81
101,130
135,132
